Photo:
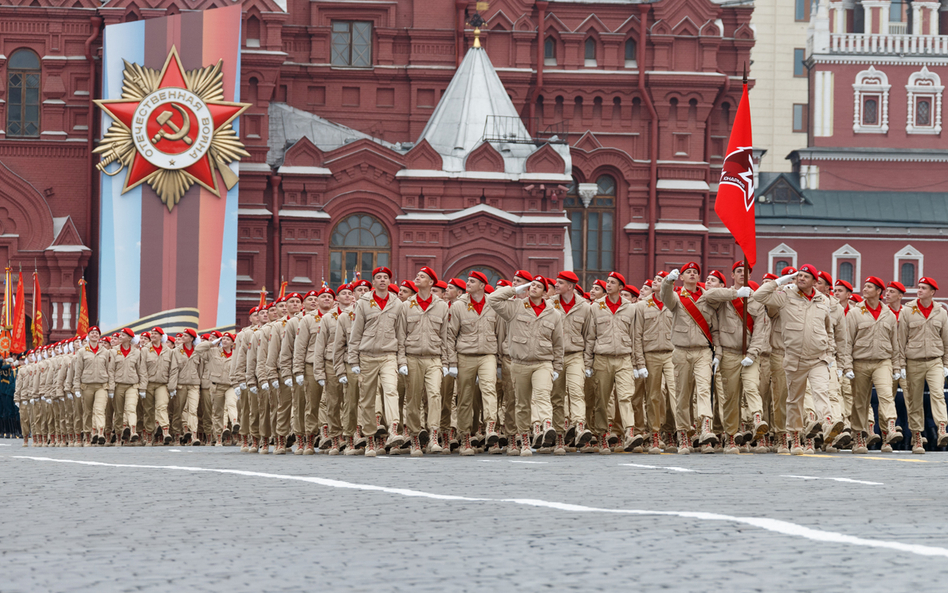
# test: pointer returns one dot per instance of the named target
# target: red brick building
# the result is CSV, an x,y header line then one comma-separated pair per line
x,y
869,194
624,111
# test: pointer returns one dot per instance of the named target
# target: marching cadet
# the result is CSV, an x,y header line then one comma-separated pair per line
x,y
535,338
92,369
348,381
129,378
843,352
20,378
186,374
692,339
876,362
923,347
262,379
843,291
472,356
158,358
892,297
281,394
740,370
373,347
320,420
569,388
807,335
509,405
220,369
306,388
654,333
248,405
321,367
423,321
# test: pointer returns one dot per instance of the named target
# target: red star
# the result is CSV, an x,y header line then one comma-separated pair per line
x,y
172,76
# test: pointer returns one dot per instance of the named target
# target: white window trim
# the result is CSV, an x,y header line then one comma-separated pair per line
x,y
861,87
908,253
847,252
781,251
924,84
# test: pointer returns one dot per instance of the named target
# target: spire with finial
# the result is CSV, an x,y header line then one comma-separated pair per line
x,y
476,21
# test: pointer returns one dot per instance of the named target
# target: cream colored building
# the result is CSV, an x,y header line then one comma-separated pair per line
x,y
778,33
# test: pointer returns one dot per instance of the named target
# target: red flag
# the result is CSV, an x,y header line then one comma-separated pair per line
x,y
37,312
19,319
263,298
735,202
82,324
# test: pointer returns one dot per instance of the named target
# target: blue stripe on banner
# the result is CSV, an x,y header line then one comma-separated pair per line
x,y
121,217
227,289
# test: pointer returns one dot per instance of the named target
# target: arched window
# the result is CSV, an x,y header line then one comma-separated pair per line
x,y
907,274
23,94
549,52
591,208
630,53
846,272
779,265
492,275
589,51
253,32
359,243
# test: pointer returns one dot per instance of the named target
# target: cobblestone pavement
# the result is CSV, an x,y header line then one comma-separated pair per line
x,y
146,519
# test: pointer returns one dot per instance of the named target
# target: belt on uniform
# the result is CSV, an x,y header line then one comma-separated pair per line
x,y
933,358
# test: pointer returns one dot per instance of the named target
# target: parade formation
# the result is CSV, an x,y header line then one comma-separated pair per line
x,y
435,367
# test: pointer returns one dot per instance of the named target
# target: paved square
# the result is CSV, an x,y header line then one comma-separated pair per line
x,y
215,519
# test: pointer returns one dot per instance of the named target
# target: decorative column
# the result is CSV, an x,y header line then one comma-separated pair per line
x,y
67,316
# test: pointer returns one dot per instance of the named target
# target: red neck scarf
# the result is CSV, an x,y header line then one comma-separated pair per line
x,y
810,296
538,308
875,312
613,306
897,311
478,306
380,302
95,349
125,351
227,353
424,303
567,306
157,350
188,352
926,311
658,302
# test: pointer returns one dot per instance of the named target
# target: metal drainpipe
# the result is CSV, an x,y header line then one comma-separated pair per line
x,y
460,5
653,142
532,108
275,187
93,216
706,240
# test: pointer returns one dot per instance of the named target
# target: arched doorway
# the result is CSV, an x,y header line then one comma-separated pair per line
x,y
359,243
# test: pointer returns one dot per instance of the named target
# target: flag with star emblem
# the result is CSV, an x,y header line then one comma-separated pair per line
x,y
735,201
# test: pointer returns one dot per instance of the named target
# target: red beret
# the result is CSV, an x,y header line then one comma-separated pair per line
x,y
292,295
325,290
343,287
503,283
410,286
587,296
691,266
478,276
601,284
253,310
788,270
382,270
845,285
393,289
568,276
769,276
855,298
361,282
217,334
826,277
231,336
459,283
106,339
632,289
95,328
898,286
877,281
488,289
146,335
618,277
717,274
550,283
430,273
205,336
128,331
648,283
441,284
812,271
191,332
282,299
161,331
753,285
662,273
523,274
929,281
739,264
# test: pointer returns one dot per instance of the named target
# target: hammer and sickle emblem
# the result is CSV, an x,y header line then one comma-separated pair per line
x,y
164,119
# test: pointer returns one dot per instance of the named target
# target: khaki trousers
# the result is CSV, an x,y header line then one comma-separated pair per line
x,y
448,403
692,377
871,373
509,416
378,372
529,381
639,401
798,373
225,408
330,408
158,394
25,425
660,369
89,391
191,397
424,379
484,369
253,419
766,390
263,413
350,401
243,411
206,412
612,372
99,409
284,406
778,391
738,381
920,372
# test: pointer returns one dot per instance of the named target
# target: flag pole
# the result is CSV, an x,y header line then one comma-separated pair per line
x,y
746,271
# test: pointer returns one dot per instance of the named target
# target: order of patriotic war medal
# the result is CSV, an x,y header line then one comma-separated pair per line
x,y
172,129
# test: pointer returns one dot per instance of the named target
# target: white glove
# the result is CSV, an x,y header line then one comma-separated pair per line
x,y
344,380
141,393
635,373
111,394
444,371
237,391
453,371
896,376
322,382
33,402
839,373
674,274
403,370
299,379
643,373
288,382
243,387
743,292
785,279
79,393
356,370
216,342
715,364
555,375
265,386
253,390
17,404
68,396
946,372
904,374
589,373
748,361
275,384
477,380
500,372
522,288
850,375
